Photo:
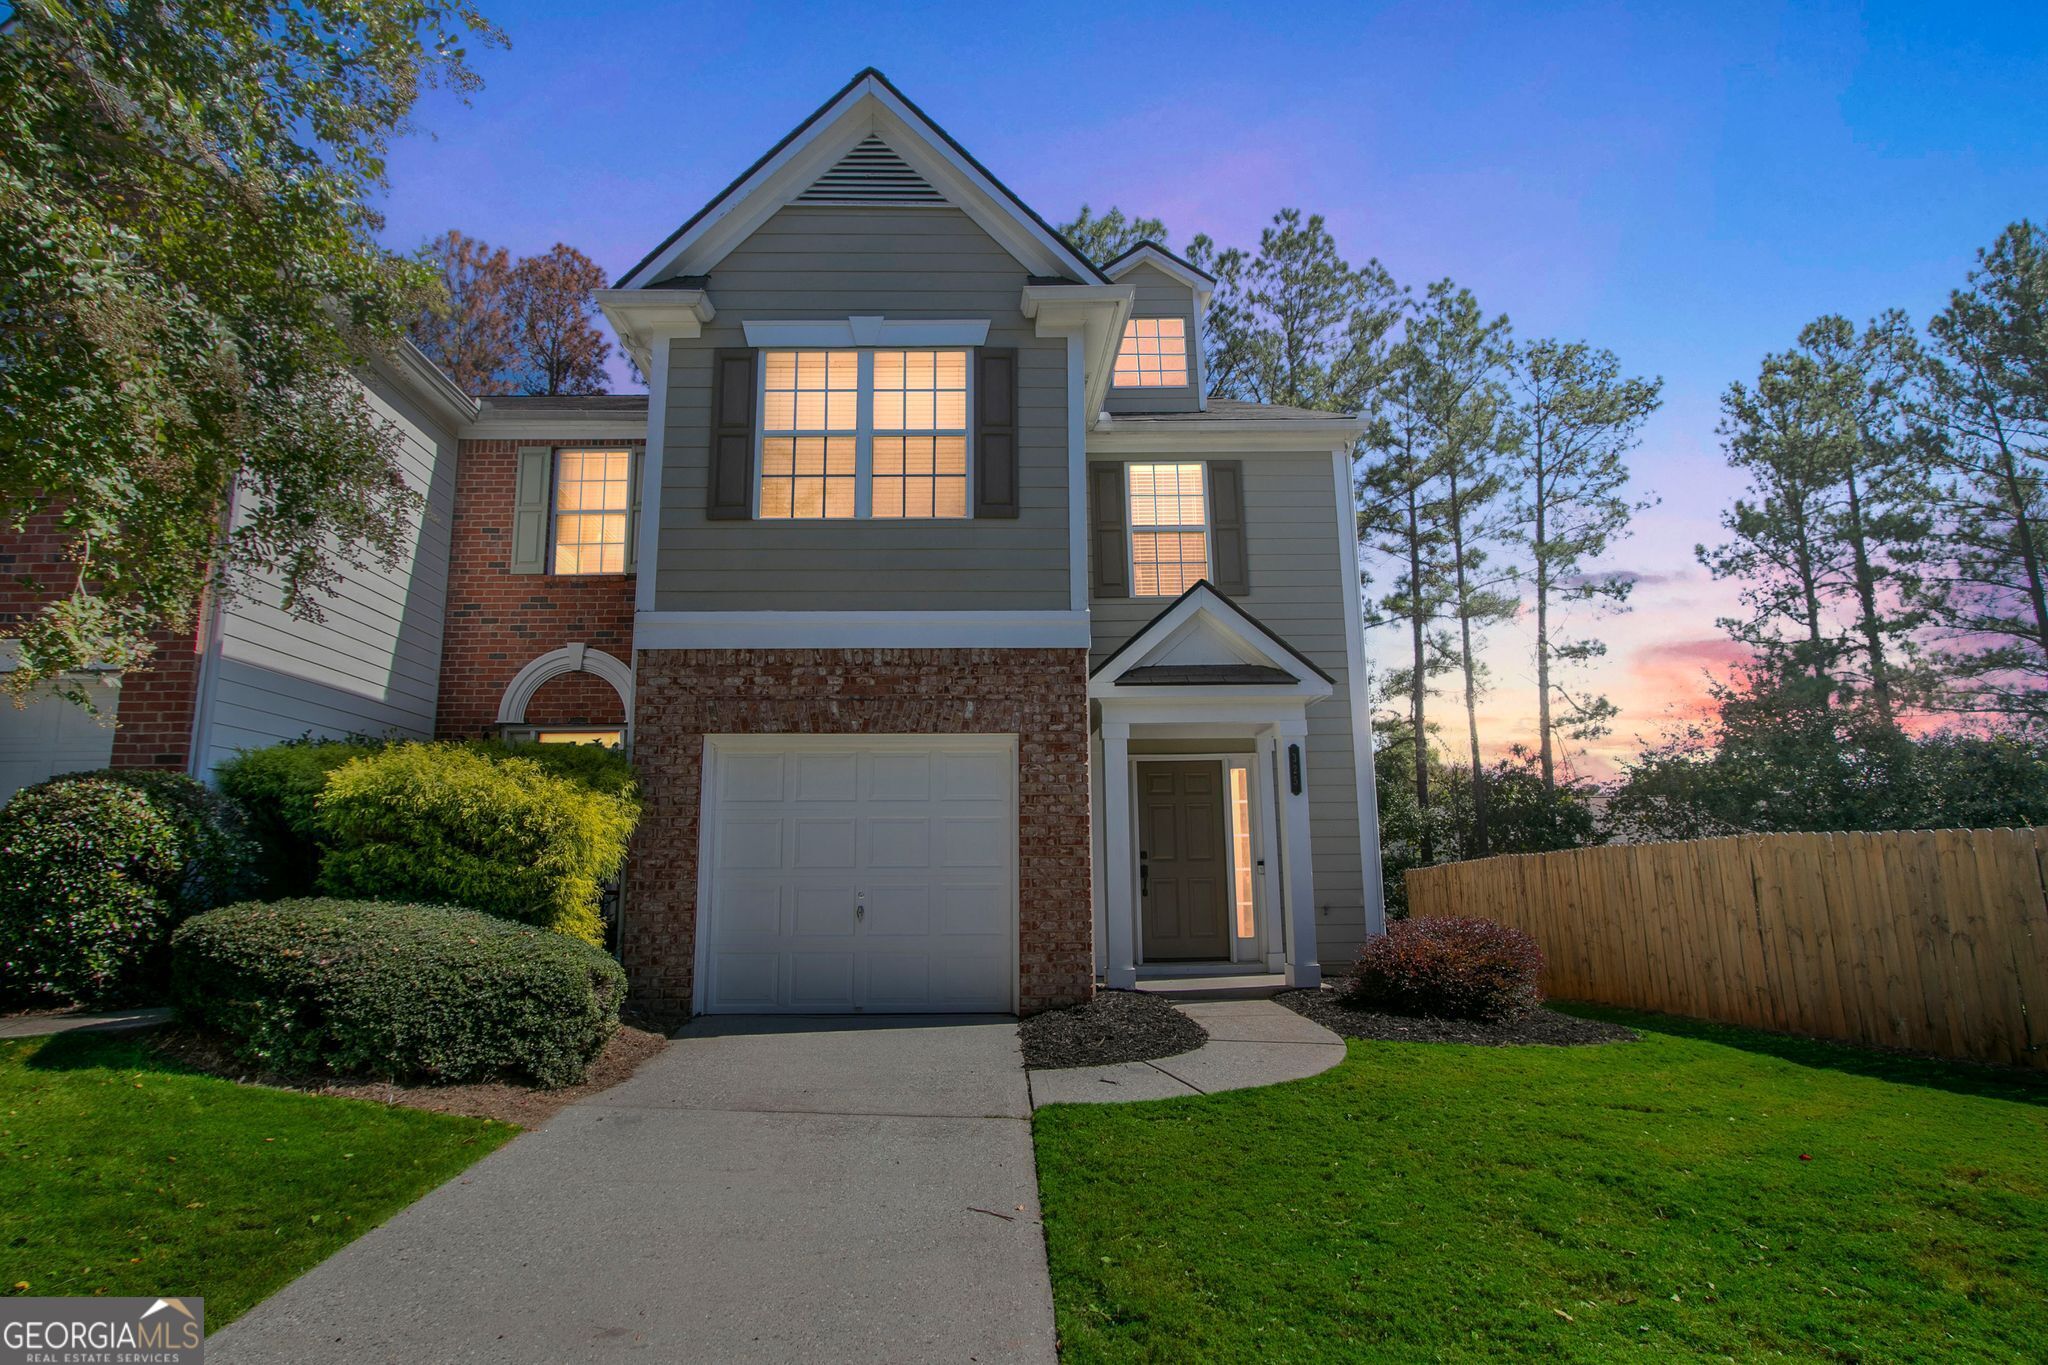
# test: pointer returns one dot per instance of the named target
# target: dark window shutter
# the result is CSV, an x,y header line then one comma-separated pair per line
x,y
730,496
995,433
633,467
1107,517
530,509
1228,567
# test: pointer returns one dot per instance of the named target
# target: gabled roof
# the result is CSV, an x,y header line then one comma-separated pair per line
x,y
1159,258
1203,639
867,108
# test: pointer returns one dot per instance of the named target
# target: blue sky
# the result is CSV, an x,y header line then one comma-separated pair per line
x,y
1686,185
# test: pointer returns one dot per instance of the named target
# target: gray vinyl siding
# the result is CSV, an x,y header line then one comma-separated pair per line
x,y
828,264
1298,591
372,664
1160,296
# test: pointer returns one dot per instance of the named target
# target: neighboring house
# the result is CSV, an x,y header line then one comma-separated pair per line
x,y
968,654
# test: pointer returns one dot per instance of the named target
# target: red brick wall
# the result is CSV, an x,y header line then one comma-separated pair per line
x,y
499,621
153,720
1039,695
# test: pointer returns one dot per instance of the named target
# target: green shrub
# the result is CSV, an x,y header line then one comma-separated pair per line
x,y
95,870
445,823
590,765
396,991
280,789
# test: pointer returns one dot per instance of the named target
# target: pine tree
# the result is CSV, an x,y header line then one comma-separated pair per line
x,y
1105,237
1576,419
1987,399
1463,354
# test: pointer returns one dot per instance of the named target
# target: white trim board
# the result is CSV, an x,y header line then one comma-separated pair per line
x,y
860,630
870,331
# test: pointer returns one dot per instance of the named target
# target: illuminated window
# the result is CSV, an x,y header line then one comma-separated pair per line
x,y
810,403
1154,354
593,499
1241,850
920,434
609,739
864,433
1169,529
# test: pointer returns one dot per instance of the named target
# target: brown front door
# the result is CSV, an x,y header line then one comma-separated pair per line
x,y
1185,861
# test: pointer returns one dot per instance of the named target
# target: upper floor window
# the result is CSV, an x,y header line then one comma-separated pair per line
x,y
592,506
1169,520
1154,354
863,433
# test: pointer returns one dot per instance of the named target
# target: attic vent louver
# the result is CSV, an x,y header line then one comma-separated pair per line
x,y
871,174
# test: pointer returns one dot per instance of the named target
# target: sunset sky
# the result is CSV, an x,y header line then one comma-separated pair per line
x,y
1685,188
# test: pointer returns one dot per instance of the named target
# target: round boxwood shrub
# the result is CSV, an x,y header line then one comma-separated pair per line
x,y
397,992
1448,968
95,870
445,823
280,789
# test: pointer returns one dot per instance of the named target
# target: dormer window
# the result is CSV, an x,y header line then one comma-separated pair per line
x,y
1154,354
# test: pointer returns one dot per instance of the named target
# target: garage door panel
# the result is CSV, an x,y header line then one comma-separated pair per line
x,y
749,844
825,845
750,777
827,777
974,777
877,876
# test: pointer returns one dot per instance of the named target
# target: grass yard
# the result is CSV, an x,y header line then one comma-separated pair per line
x,y
1704,1193
124,1173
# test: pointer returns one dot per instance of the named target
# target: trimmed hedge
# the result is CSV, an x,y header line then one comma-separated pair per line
x,y
95,870
398,992
280,788
1448,968
445,823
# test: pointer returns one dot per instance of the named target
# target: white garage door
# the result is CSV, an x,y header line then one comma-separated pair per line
x,y
51,736
870,874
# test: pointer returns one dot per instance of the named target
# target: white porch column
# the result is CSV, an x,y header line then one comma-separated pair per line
x,y
1267,802
1297,871
1119,877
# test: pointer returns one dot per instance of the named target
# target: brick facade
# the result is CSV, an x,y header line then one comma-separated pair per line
x,y
1039,695
499,621
153,717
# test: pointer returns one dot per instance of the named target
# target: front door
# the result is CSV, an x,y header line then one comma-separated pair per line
x,y
1184,862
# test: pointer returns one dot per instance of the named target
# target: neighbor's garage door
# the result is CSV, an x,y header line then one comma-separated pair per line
x,y
51,736
875,874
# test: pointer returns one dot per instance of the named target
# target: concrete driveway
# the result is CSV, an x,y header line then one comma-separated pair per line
x,y
765,1189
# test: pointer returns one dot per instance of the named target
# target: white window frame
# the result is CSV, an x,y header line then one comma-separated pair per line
x,y
1131,529
554,568
1188,355
864,436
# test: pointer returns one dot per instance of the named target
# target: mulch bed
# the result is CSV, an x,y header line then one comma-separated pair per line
x,y
504,1101
1539,1026
1116,1026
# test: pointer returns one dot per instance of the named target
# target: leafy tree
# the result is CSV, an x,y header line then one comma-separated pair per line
x,y
1461,354
468,331
1104,238
558,344
1524,812
1987,380
191,279
1576,418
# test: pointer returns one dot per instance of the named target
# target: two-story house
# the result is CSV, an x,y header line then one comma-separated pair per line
x,y
969,653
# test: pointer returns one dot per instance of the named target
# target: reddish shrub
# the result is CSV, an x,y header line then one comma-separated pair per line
x,y
1450,968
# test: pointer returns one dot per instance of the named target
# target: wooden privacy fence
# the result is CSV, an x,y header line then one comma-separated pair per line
x,y
1931,940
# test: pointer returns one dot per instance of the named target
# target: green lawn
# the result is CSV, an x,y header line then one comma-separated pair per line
x,y
1705,1192
123,1173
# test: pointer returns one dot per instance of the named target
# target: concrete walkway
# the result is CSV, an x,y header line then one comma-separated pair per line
x,y
1251,1042
765,1189
119,1021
